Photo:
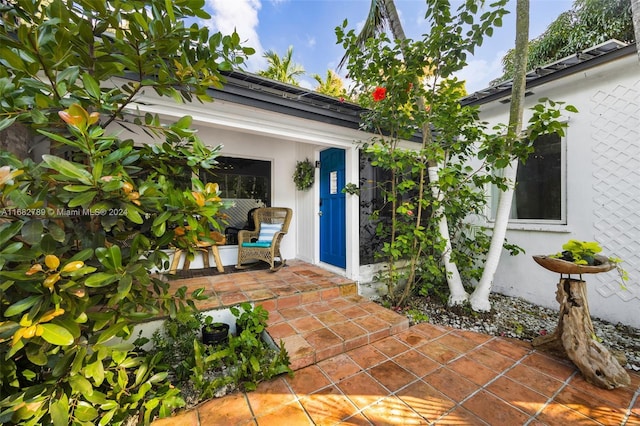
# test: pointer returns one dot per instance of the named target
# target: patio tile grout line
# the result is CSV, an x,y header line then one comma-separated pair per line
x,y
565,383
629,412
484,387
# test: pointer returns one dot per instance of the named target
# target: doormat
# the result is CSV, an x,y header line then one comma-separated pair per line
x,y
230,269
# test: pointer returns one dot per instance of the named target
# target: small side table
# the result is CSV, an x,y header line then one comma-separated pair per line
x,y
205,258
202,247
574,337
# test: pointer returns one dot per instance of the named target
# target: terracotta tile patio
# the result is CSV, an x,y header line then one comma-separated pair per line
x,y
359,364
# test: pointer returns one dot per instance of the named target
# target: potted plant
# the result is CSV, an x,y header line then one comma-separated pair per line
x,y
214,333
581,257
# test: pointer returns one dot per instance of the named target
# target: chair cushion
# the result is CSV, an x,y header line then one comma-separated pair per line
x,y
257,244
267,231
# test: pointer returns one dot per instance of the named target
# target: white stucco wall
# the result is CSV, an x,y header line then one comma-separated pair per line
x,y
603,190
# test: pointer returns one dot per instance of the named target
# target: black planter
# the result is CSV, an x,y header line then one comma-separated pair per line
x,y
215,334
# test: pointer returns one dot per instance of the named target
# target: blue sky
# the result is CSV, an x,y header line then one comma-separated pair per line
x,y
308,26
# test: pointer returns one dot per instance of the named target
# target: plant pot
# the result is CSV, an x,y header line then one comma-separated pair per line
x,y
215,334
565,267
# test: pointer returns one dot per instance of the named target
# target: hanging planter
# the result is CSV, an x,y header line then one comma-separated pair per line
x,y
304,175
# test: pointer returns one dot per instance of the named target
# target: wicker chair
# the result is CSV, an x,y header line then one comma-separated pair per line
x,y
271,224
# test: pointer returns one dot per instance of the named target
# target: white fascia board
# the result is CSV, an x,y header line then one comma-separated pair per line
x,y
246,119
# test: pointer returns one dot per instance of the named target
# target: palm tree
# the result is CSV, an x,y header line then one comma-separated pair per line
x,y
383,14
331,86
282,68
480,297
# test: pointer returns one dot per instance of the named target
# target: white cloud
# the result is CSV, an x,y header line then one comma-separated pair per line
x,y
311,41
478,73
241,16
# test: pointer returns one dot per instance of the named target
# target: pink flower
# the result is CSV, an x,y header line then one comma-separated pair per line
x,y
410,213
379,94
341,99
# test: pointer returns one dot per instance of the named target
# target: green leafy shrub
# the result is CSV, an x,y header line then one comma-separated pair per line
x,y
241,363
82,231
250,318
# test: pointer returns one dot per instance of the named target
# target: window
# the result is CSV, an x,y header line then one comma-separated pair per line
x,y
540,191
246,183
243,178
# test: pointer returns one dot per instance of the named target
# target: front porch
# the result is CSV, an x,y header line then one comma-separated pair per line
x,y
358,363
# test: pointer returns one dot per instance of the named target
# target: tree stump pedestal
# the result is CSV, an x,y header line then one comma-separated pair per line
x,y
574,338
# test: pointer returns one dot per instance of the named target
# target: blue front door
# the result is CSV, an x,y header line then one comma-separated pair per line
x,y
332,208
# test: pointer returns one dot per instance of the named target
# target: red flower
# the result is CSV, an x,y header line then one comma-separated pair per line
x,y
379,93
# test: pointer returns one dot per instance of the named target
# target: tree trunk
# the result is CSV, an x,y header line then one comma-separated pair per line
x,y
635,9
480,297
394,20
574,338
457,293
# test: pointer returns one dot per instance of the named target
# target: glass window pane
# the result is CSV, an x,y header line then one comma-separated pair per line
x,y
538,194
539,191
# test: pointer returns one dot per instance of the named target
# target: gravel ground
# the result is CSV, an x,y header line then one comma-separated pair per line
x,y
517,318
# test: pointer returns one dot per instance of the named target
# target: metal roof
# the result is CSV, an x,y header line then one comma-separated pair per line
x,y
253,90
580,61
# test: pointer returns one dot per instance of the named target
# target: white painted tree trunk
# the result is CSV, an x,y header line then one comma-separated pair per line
x,y
457,294
635,10
480,297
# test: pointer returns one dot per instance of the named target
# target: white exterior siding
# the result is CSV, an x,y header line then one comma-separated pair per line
x,y
603,190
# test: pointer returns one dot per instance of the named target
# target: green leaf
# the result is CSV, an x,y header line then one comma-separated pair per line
x,y
68,74
8,231
111,332
85,412
68,169
92,86
36,355
106,417
13,59
255,364
77,188
6,122
133,215
22,305
79,384
59,410
168,4
83,199
100,279
95,370
32,231
56,335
